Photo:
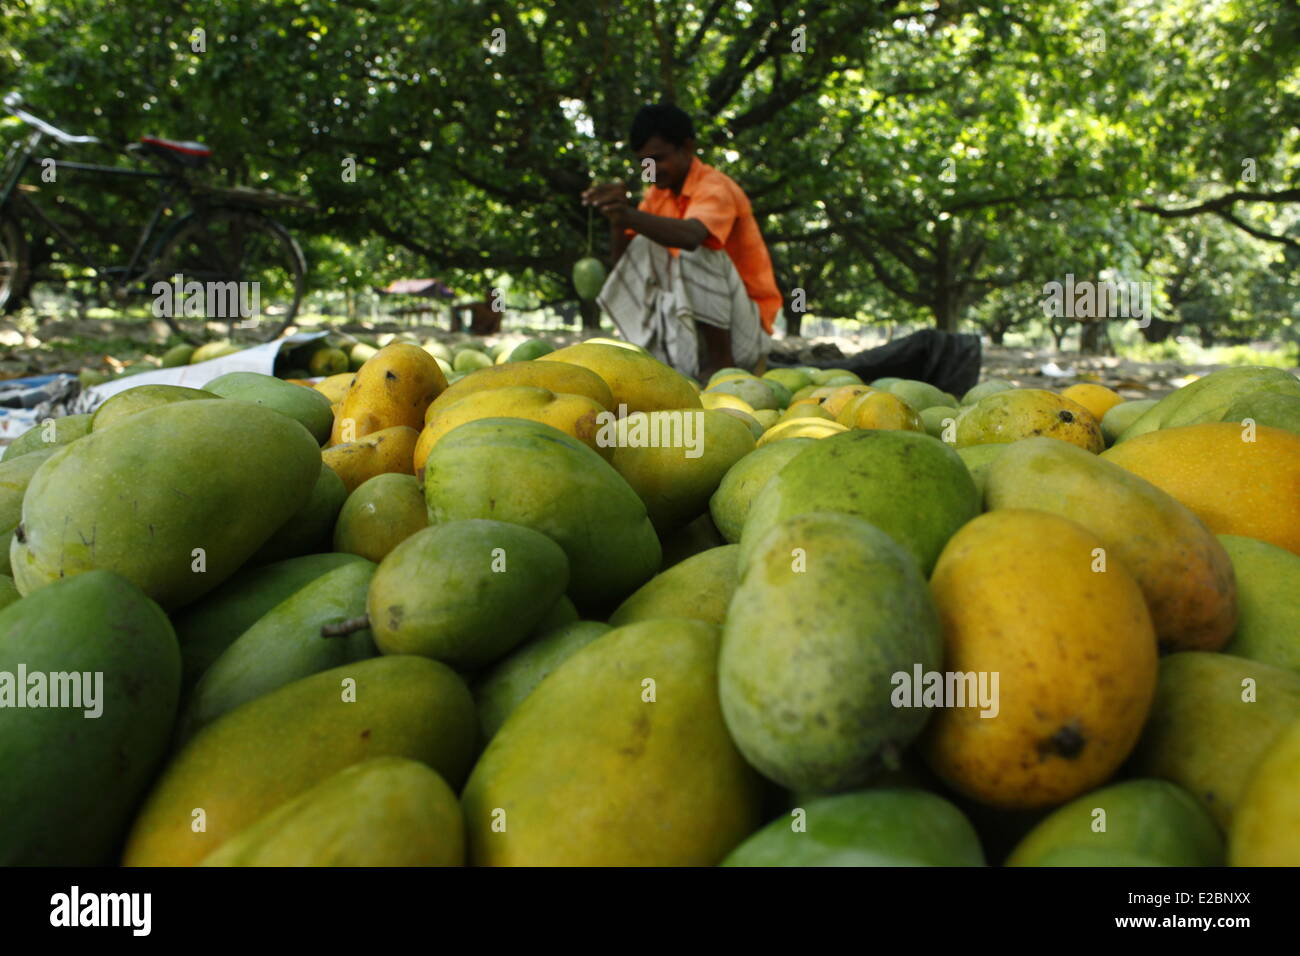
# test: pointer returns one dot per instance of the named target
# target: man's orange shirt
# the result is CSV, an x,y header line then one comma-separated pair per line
x,y
714,199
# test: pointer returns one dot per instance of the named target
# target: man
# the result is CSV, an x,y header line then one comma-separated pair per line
x,y
692,279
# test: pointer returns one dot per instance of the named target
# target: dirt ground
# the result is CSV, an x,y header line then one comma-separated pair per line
x,y
70,345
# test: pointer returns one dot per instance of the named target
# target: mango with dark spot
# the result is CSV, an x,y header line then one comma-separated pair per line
x,y
1025,412
175,498
1072,649
392,389
618,758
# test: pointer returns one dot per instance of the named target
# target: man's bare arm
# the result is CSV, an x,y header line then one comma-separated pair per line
x,y
675,233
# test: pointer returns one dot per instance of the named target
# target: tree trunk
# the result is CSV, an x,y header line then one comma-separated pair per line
x,y
1093,339
1158,330
793,322
590,314
945,314
996,334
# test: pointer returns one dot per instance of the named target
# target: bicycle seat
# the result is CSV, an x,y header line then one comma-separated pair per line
x,y
181,152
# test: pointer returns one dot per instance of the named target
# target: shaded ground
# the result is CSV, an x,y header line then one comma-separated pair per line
x,y
106,344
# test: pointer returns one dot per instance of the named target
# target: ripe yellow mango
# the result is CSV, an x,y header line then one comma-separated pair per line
x,y
675,460
394,388
1074,651
558,377
1017,413
635,379
385,452
880,410
1097,399
1266,829
1238,479
618,758
335,386
388,811
256,757
574,415
839,397
1183,570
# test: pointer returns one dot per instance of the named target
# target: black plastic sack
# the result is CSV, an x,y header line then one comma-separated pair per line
x,y
949,361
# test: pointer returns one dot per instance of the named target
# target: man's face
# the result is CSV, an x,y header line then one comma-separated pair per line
x,y
671,163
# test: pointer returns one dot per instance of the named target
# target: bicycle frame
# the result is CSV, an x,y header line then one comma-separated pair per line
x,y
22,158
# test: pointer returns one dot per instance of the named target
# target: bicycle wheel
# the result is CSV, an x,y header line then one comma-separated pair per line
x,y
14,265
241,275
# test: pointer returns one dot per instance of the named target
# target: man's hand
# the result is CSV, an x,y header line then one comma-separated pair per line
x,y
610,200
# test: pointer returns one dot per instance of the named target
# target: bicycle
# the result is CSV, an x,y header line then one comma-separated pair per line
x,y
222,259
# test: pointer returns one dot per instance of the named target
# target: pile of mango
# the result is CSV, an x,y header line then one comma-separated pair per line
x,y
572,608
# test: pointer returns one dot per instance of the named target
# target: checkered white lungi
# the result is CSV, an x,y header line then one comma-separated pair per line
x,y
655,299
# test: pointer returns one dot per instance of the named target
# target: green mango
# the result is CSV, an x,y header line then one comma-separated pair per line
x,y
206,628
141,497
562,612
878,827
756,391
503,688
310,528
886,383
211,350
68,781
533,348
59,431
911,486
835,376
989,387
388,811
8,591
132,401
380,514
527,473
465,592
89,377
730,504
1274,409
920,395
937,418
328,361
792,378
178,355
286,644
439,350
1208,399
1121,416
697,537
588,277
699,588
359,355
828,608
1268,602
979,459
469,360
619,757
251,760
1213,717
15,476
306,406
1151,820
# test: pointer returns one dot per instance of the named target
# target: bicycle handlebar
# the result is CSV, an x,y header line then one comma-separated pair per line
x,y
12,106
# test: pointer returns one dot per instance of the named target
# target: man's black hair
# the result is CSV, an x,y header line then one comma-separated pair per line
x,y
664,120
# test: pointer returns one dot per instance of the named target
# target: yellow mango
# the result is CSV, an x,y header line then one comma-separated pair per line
x,y
393,388
1074,653
336,386
1238,479
389,451
1266,828
1017,413
1097,399
558,377
712,400
637,381
841,396
574,415
1182,568
880,410
600,767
